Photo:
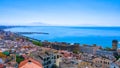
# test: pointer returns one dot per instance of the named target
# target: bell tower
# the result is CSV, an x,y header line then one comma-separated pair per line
x,y
114,44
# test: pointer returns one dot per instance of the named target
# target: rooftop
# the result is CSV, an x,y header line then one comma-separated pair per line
x,y
28,63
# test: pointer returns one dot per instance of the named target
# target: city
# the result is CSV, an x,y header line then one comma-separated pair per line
x,y
17,51
59,33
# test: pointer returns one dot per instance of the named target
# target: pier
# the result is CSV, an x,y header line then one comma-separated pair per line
x,y
31,33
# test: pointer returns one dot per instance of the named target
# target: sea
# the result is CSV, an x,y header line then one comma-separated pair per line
x,y
101,36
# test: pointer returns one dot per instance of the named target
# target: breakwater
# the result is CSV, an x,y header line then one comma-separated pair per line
x,y
31,33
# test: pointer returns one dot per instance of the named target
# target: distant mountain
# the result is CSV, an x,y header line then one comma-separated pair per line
x,y
39,24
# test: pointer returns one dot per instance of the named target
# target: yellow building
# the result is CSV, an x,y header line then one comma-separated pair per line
x,y
102,62
84,64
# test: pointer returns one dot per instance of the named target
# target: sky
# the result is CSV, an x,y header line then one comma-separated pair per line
x,y
60,12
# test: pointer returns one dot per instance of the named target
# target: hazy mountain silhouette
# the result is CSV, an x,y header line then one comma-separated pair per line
x,y
39,24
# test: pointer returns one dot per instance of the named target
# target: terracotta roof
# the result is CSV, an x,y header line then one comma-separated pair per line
x,y
32,60
1,65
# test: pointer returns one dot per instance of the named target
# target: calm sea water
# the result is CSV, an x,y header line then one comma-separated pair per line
x,y
102,36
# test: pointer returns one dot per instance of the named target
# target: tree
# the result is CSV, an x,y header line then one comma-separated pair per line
x,y
27,39
54,66
6,53
85,45
2,55
75,51
108,48
94,45
19,59
37,43
117,57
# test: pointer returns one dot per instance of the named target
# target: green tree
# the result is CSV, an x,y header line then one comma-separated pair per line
x,y
19,59
117,57
54,66
75,51
85,45
6,53
108,48
37,43
94,45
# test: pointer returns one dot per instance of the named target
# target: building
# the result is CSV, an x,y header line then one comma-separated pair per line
x,y
87,57
1,65
61,46
30,63
46,56
11,64
58,61
89,49
108,54
84,64
68,63
114,65
118,51
114,45
1,60
100,62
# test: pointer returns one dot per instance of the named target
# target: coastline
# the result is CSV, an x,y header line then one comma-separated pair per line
x,y
88,35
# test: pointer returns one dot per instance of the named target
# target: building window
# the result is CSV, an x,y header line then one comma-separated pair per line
x,y
54,57
47,67
57,56
44,59
48,58
104,62
101,61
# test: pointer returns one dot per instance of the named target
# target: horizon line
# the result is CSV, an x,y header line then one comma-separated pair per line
x,y
59,26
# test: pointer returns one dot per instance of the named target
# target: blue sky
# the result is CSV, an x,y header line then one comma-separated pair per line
x,y
60,12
